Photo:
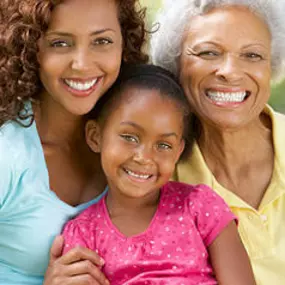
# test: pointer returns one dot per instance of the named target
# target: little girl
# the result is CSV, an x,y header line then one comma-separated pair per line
x,y
147,229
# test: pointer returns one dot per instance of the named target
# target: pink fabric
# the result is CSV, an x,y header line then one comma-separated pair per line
x,y
173,249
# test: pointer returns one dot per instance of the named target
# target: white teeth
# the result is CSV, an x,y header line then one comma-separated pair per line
x,y
140,176
80,85
226,96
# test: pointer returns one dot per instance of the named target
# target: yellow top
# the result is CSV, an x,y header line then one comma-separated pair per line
x,y
262,230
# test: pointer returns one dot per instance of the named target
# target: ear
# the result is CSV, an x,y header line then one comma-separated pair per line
x,y
93,135
181,148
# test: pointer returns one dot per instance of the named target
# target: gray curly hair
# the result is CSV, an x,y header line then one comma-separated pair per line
x,y
173,18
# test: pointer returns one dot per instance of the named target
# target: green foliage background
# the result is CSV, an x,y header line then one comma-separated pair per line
x,y
277,99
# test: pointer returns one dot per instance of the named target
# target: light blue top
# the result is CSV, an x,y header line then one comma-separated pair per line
x,y
31,215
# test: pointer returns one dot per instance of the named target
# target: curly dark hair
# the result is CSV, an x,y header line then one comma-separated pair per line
x,y
22,23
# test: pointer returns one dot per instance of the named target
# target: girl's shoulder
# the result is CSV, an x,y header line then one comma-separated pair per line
x,y
197,198
202,205
197,192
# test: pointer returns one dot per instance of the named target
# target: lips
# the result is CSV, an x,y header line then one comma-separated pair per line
x,y
143,176
219,96
81,87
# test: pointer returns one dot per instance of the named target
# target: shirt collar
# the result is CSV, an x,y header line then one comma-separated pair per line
x,y
196,170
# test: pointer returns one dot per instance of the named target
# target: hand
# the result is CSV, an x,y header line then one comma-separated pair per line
x,y
79,266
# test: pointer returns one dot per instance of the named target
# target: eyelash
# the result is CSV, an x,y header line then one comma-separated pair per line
x,y
130,138
210,52
64,44
207,53
164,146
102,41
253,56
58,44
134,139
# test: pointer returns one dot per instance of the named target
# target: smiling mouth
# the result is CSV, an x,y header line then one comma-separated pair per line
x,y
137,175
81,85
227,97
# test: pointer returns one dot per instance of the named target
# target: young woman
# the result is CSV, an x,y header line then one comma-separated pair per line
x,y
57,59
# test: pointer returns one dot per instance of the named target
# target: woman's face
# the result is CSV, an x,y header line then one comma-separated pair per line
x,y
225,66
80,54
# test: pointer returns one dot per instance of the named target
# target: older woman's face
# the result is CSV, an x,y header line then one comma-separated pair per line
x,y
225,66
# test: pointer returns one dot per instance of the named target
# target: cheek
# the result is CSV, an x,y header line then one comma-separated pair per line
x,y
263,76
112,60
113,153
50,65
192,73
167,165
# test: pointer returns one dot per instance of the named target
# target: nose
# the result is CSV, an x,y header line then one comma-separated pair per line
x,y
230,69
143,155
81,60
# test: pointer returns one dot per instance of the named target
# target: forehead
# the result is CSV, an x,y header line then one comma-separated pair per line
x,y
145,102
85,15
234,24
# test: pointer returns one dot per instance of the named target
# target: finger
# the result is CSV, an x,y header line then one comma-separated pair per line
x,y
82,253
84,279
56,248
86,267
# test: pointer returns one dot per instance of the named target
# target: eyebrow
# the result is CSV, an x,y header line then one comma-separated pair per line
x,y
142,129
216,43
66,34
254,45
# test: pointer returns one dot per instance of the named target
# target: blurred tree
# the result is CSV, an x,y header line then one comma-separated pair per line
x,y
277,99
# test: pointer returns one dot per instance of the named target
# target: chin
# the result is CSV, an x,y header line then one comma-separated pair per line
x,y
228,125
80,110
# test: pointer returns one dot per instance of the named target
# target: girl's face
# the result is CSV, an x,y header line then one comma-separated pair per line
x,y
80,54
140,142
226,71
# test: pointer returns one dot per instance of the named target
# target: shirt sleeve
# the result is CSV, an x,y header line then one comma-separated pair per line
x,y
6,172
210,212
75,234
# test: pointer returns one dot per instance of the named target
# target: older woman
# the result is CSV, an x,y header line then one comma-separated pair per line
x,y
225,54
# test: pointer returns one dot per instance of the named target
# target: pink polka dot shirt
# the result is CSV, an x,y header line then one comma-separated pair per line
x,y
173,249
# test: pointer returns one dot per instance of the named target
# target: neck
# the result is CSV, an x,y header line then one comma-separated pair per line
x,y
57,126
119,204
228,150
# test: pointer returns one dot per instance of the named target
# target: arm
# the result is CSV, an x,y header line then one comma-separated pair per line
x,y
229,258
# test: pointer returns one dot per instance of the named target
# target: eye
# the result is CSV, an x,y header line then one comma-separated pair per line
x,y
252,56
130,138
59,43
102,41
164,146
208,54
